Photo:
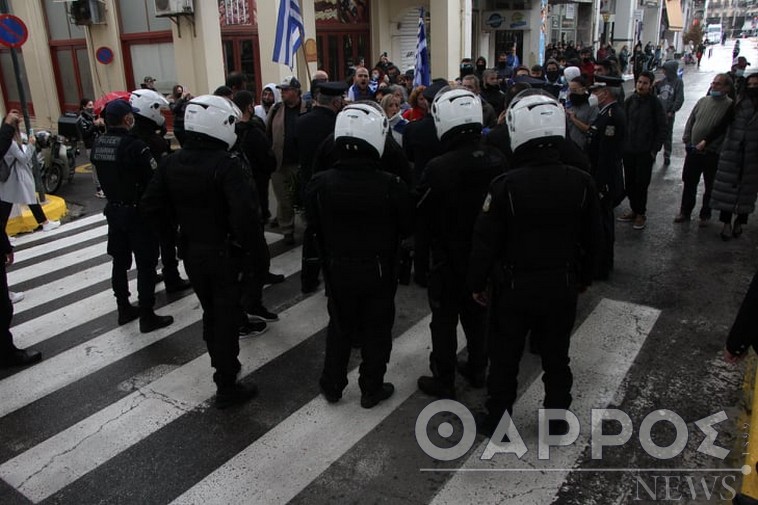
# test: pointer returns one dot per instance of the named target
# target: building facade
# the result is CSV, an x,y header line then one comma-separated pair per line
x,y
87,48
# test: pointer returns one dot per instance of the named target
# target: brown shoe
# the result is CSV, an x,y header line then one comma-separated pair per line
x,y
639,222
626,217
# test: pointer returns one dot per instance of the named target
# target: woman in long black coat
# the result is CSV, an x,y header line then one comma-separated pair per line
x,y
736,184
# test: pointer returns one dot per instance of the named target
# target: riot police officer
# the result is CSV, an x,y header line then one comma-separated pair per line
x,y
534,244
148,122
203,186
451,191
124,167
605,149
359,214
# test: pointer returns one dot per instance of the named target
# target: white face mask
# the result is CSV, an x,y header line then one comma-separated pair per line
x,y
739,72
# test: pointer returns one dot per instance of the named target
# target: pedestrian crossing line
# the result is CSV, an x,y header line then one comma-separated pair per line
x,y
281,463
58,461
55,264
64,228
69,366
61,243
80,280
603,349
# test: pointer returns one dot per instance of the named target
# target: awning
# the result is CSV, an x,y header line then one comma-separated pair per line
x,y
674,14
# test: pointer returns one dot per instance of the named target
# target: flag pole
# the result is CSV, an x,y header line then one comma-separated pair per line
x,y
307,67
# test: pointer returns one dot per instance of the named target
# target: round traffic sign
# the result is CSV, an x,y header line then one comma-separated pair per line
x,y
13,32
104,55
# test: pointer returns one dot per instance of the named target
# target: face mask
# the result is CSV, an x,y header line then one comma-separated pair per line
x,y
716,94
578,98
739,72
375,77
553,75
90,111
480,67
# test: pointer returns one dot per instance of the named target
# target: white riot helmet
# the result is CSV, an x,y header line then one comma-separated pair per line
x,y
149,104
456,110
534,114
214,116
361,126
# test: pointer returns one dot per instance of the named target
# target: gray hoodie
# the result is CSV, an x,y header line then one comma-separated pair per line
x,y
670,89
259,111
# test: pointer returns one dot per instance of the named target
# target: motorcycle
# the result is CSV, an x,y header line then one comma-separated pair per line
x,y
57,160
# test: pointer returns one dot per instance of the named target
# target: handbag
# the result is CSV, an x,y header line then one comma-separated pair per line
x,y
5,169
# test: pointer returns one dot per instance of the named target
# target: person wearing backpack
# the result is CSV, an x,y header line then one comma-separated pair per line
x,y
10,355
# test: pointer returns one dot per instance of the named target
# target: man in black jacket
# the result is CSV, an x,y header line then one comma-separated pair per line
x,y
10,355
359,213
202,186
533,251
150,127
311,129
646,128
125,166
451,192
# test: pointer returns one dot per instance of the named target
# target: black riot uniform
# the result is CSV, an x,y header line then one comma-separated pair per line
x,y
124,167
203,188
451,192
535,242
311,129
359,213
148,131
605,149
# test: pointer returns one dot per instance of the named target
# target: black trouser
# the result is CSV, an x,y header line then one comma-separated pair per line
x,y
638,169
667,141
607,238
6,314
214,276
311,264
254,271
7,207
450,299
128,234
361,307
261,186
169,262
695,165
726,217
550,314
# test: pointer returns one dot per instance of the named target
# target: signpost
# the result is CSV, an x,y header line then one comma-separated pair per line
x,y
13,34
104,55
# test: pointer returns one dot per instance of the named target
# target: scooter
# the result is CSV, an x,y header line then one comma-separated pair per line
x,y
57,160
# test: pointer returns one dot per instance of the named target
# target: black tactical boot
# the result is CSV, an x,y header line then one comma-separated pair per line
x,y
369,400
228,396
127,313
150,321
434,386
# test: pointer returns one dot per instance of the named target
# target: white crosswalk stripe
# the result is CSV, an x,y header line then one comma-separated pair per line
x,y
274,466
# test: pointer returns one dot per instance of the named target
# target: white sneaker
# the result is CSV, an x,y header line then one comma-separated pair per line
x,y
16,296
50,225
12,240
99,194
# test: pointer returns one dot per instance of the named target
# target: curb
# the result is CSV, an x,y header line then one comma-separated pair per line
x,y
54,207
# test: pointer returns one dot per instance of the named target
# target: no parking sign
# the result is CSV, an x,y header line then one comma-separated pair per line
x,y
13,32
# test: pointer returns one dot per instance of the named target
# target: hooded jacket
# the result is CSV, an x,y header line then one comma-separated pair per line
x,y
670,90
259,110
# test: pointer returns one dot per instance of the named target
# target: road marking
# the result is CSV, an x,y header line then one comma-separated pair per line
x,y
602,351
55,263
30,238
57,245
58,461
281,463
67,367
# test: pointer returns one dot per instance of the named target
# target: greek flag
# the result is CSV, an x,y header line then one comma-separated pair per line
x,y
289,32
421,73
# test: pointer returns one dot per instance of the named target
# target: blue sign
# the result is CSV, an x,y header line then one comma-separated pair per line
x,y
495,20
104,55
13,32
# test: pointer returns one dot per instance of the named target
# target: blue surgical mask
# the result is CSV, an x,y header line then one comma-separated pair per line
x,y
716,94
739,72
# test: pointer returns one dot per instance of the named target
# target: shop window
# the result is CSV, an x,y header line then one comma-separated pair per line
x,y
59,25
240,55
154,60
10,88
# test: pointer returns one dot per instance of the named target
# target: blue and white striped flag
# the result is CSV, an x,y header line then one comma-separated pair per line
x,y
422,70
289,32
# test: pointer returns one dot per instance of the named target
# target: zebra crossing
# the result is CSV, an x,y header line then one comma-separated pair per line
x,y
114,416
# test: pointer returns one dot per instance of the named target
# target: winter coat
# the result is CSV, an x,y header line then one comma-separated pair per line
x,y
19,188
736,184
645,124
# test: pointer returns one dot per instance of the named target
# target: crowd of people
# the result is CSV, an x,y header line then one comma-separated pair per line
x,y
497,189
